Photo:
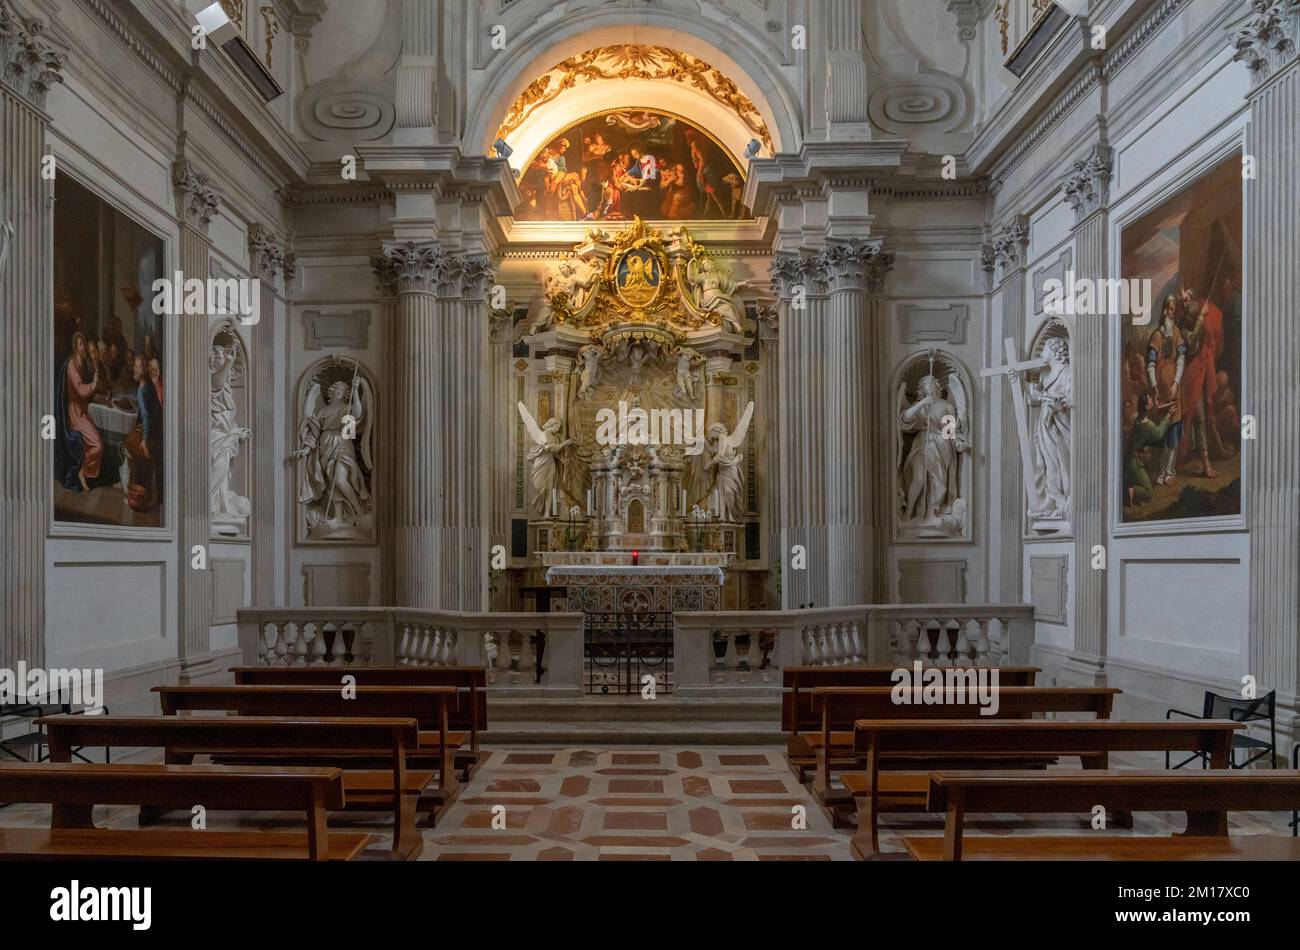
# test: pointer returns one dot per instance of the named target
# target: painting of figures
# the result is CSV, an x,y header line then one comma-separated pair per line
x,y
109,366
629,163
1181,373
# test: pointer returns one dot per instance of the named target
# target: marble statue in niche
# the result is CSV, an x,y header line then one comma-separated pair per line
x,y
589,356
687,378
723,466
1050,397
933,446
554,467
335,453
228,510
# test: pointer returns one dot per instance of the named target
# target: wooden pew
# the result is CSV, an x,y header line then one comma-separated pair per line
x,y
842,706
469,716
429,705
1206,797
1091,741
799,716
329,742
75,790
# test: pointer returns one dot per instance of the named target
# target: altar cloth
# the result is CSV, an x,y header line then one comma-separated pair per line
x,y
623,588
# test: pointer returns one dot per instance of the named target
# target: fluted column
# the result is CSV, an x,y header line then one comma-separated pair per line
x,y
198,202
856,272
1268,45
267,261
1009,247
471,346
769,334
28,68
501,331
1087,189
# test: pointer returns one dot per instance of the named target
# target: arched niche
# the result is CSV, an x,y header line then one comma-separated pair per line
x,y
335,453
934,444
229,435
752,66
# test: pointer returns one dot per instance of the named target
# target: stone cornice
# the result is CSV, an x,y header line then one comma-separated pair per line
x,y
29,65
820,166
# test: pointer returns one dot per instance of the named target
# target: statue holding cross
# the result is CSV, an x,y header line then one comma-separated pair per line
x,y
1044,383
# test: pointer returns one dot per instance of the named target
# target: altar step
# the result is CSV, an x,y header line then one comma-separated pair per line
x,y
633,721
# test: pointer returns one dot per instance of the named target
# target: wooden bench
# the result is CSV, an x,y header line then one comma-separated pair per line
x,y
469,716
75,790
429,705
1091,741
339,742
799,716
1206,797
842,706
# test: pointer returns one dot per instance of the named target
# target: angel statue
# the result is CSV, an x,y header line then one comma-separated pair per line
x,y
590,356
6,238
931,472
553,461
687,360
565,289
713,290
224,437
335,450
723,466
1050,394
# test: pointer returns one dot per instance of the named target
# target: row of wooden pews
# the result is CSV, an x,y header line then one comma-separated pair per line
x,y
320,741
954,758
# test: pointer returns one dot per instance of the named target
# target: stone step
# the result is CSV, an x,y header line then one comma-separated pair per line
x,y
764,712
614,732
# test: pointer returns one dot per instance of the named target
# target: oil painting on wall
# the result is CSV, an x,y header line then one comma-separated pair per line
x,y
624,164
109,366
1181,374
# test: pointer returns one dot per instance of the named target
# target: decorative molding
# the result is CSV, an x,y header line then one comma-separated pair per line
x,y
227,589
932,580
1087,186
1268,42
1049,588
199,200
968,18
28,65
933,324
347,331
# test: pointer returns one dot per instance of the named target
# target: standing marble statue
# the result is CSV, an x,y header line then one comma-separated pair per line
x,y
549,455
590,356
1051,395
723,467
712,289
224,437
332,484
687,360
931,472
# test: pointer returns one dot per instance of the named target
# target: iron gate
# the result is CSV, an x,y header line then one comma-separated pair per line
x,y
624,646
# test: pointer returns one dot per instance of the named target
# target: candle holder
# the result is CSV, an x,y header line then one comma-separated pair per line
x,y
700,521
571,534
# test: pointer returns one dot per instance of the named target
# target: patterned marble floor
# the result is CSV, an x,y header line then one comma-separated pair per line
x,y
649,804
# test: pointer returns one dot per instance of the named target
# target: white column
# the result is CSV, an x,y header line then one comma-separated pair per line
x,y
1010,244
28,68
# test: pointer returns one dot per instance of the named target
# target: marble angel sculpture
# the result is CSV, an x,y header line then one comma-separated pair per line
x,y
565,289
1052,395
723,467
930,475
589,356
336,458
224,436
554,464
687,361
712,289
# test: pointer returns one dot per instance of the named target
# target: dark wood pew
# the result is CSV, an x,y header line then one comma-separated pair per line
x,y
875,790
1206,797
799,717
338,742
841,706
469,716
75,790
429,705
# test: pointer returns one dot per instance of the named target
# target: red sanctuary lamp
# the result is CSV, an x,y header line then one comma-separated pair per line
x,y
636,557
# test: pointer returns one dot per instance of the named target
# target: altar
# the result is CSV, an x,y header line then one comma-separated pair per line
x,y
637,588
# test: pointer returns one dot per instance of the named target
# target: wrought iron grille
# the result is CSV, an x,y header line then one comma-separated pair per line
x,y
623,647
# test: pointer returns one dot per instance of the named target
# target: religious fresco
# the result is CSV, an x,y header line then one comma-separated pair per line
x,y
630,163
1181,374
109,365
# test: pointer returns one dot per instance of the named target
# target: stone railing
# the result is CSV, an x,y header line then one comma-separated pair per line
x,y
731,653
508,644
739,652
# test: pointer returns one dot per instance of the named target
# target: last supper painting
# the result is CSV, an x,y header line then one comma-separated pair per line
x,y
629,163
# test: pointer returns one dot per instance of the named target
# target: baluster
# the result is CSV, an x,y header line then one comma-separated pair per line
x,y
962,646
998,646
923,642
859,650
263,649
982,642
281,648
811,656
824,646
435,646
943,646
448,655
503,650
404,645
363,645
527,658
755,657
730,659
301,646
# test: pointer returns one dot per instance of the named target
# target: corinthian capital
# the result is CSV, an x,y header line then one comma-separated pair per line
x,y
266,254
28,64
856,265
1087,186
409,267
198,199
785,274
476,276
1269,40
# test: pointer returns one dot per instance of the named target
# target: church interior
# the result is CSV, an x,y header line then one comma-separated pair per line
x,y
650,430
